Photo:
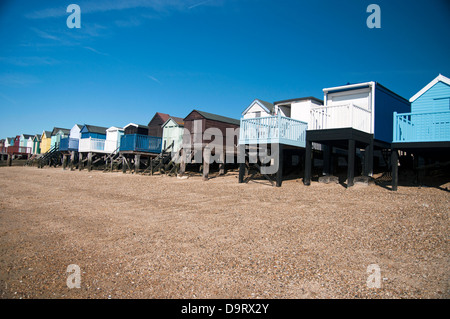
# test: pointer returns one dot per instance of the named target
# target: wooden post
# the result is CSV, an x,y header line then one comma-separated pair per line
x,y
351,163
137,163
222,163
368,160
80,161
124,164
89,161
151,166
327,149
394,164
64,163
72,160
9,160
206,160
183,162
280,165
308,163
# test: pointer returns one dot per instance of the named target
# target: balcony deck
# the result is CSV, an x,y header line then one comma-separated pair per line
x,y
421,127
140,143
341,116
68,144
273,130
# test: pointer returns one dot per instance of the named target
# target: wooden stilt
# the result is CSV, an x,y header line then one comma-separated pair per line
x,y
64,164
183,162
351,163
206,160
327,159
222,164
124,164
89,162
137,163
308,163
280,165
368,160
394,165
80,161
9,160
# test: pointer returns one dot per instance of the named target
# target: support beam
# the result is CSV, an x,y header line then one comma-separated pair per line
x,y
80,161
327,150
64,162
394,165
72,160
124,164
137,163
9,160
280,165
308,163
351,163
89,162
182,162
206,161
222,163
241,172
368,160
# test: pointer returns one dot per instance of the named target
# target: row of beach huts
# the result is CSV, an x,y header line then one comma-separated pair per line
x,y
360,127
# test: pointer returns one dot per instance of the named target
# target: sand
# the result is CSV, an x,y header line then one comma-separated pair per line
x,y
135,236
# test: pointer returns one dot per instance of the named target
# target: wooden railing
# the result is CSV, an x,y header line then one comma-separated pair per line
x,y
341,116
16,149
91,145
421,127
273,129
140,143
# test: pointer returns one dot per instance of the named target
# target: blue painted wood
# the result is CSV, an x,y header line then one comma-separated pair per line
x,y
140,143
436,99
422,127
429,119
68,144
386,103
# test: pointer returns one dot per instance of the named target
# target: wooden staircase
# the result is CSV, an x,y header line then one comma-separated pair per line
x,y
51,158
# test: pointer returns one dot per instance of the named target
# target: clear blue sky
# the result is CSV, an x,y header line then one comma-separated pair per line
x,y
132,58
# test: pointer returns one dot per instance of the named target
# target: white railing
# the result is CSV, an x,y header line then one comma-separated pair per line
x,y
273,129
92,145
341,116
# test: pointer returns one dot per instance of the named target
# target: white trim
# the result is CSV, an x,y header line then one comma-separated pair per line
x,y
439,78
348,87
259,103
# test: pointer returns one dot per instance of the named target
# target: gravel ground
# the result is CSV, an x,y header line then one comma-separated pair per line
x,y
162,237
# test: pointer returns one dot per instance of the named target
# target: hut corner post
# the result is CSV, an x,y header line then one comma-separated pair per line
x,y
351,163
308,163
80,161
280,165
394,166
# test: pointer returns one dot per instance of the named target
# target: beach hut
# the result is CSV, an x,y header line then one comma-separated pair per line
x,y
37,144
196,124
91,148
353,117
133,128
56,135
46,138
113,136
156,123
423,131
69,145
173,130
26,143
279,126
